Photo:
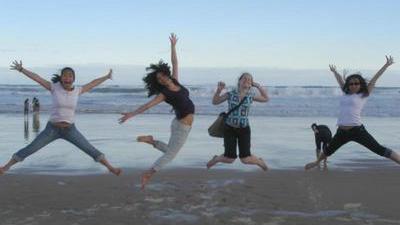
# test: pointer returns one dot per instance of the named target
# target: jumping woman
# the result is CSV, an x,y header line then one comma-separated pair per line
x,y
61,123
350,128
166,87
237,127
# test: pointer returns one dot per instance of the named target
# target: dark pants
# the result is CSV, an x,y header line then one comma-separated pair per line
x,y
234,136
360,135
321,143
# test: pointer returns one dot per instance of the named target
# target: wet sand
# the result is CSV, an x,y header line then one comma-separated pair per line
x,y
198,196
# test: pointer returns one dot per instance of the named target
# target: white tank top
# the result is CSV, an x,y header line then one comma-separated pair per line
x,y
351,106
64,103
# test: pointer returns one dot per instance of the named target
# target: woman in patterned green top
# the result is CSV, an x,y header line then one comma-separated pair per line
x,y
237,128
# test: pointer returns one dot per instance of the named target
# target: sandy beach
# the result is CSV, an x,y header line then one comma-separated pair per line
x,y
198,196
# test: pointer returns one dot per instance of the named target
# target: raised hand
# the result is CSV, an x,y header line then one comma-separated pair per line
x,y
125,117
389,60
333,68
338,77
16,65
221,86
174,58
371,84
256,85
109,74
173,39
263,97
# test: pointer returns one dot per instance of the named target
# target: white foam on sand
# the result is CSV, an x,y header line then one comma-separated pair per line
x,y
177,216
223,183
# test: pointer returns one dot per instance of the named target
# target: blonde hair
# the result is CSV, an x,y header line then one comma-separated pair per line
x,y
241,76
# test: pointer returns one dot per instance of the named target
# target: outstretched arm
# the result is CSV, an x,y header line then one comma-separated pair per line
x,y
174,59
371,84
263,97
218,98
94,83
337,76
157,100
35,77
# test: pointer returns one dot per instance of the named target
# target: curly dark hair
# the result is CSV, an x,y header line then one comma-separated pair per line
x,y
363,85
57,77
151,83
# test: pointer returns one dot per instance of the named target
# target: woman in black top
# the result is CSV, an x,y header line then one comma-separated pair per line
x,y
160,82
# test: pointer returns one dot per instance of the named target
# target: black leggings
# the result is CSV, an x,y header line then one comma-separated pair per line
x,y
360,135
234,136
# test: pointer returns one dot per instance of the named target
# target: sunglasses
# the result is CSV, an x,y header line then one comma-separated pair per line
x,y
355,84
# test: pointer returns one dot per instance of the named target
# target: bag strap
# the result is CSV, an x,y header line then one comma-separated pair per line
x,y
236,107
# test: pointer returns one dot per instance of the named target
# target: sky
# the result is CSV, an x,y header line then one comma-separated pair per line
x,y
225,37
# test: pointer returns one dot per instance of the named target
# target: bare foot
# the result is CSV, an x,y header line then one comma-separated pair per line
x,y
2,170
116,171
212,162
146,176
146,139
262,164
311,165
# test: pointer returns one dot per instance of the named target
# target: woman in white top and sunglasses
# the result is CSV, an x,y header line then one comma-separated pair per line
x,y
350,128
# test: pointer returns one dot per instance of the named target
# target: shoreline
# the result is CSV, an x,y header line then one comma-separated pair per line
x,y
354,165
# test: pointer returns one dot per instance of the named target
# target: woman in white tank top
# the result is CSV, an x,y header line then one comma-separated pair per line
x,y
350,128
61,123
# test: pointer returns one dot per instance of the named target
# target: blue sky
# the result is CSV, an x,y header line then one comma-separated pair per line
x,y
285,35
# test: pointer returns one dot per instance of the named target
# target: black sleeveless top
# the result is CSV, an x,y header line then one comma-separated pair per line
x,y
179,100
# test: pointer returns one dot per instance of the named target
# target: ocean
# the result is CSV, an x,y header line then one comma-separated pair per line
x,y
281,131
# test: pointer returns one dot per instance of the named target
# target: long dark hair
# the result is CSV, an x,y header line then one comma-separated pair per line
x,y
57,77
150,80
363,85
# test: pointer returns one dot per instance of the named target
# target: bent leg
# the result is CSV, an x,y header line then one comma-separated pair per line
x,y
48,135
364,138
219,159
179,134
72,135
254,160
341,137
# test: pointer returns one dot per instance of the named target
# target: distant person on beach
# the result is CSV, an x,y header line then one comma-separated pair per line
x,y
323,136
35,105
165,86
35,115
61,123
350,128
26,119
237,127
26,107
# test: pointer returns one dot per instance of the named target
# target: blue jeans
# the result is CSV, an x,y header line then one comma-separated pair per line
x,y
51,133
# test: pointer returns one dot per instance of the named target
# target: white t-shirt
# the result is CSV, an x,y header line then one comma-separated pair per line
x,y
64,103
351,106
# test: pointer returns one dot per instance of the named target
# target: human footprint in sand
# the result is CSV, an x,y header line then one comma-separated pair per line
x,y
164,84
61,123
237,128
350,128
